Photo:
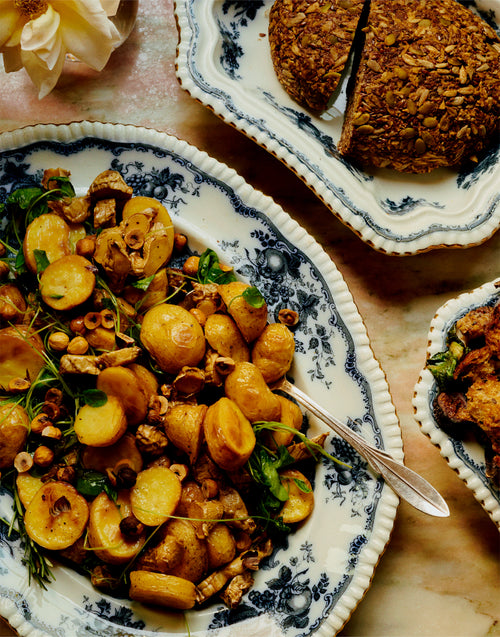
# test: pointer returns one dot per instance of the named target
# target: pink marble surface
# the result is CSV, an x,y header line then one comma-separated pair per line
x,y
438,577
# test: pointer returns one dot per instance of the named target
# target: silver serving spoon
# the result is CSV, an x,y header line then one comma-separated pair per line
x,y
406,483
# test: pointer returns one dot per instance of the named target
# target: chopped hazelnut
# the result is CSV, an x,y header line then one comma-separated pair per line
x,y
40,422
18,385
23,462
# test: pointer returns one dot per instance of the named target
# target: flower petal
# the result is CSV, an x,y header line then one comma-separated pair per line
x,y
86,31
44,79
110,6
42,37
10,21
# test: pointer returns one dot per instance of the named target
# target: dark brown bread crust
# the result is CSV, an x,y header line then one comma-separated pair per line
x,y
427,91
310,43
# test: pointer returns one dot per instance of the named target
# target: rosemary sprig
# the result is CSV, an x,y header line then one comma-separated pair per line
x,y
38,565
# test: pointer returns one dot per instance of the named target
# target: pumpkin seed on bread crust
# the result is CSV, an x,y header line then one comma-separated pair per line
x,y
310,43
427,89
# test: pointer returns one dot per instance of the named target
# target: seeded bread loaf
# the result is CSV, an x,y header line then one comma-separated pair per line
x,y
310,43
427,90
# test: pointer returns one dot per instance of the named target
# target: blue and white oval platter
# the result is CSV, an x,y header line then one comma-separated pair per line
x,y
311,585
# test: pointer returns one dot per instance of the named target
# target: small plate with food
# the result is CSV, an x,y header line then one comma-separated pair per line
x,y
457,395
151,481
409,158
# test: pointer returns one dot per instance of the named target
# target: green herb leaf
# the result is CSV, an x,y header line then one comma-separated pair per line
x,y
64,187
443,364
302,485
91,483
143,284
253,297
41,260
94,397
209,270
20,263
25,197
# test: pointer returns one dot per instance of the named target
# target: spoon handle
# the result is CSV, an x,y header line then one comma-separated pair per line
x,y
406,483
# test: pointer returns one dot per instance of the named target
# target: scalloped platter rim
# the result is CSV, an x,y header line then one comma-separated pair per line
x,y
313,583
223,61
467,458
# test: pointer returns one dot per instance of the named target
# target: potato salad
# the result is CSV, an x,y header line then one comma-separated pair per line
x,y
139,433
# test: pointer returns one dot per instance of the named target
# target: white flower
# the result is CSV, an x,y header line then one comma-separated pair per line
x,y
37,35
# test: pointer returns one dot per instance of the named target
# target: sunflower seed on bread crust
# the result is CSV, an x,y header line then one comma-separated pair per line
x,y
427,89
310,42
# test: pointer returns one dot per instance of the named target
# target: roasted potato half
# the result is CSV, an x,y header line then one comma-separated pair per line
x,y
300,501
155,495
104,533
101,426
56,516
164,590
48,233
21,354
67,282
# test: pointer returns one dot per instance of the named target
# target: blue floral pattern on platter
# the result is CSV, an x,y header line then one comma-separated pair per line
x,y
395,213
304,587
467,456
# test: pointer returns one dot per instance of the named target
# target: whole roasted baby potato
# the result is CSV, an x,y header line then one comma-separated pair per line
x,y
48,233
250,320
194,562
21,354
184,428
225,338
173,337
67,282
229,435
160,215
14,425
221,546
246,386
101,426
56,516
12,303
273,351
104,533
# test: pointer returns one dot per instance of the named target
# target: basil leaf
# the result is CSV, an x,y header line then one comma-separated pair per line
x,y
210,271
25,197
143,284
41,260
302,485
90,483
64,187
253,297
94,397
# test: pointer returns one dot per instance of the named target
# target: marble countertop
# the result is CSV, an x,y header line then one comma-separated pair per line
x,y
438,577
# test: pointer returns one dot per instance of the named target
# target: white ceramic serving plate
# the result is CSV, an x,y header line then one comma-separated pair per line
x,y
466,457
313,584
223,61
